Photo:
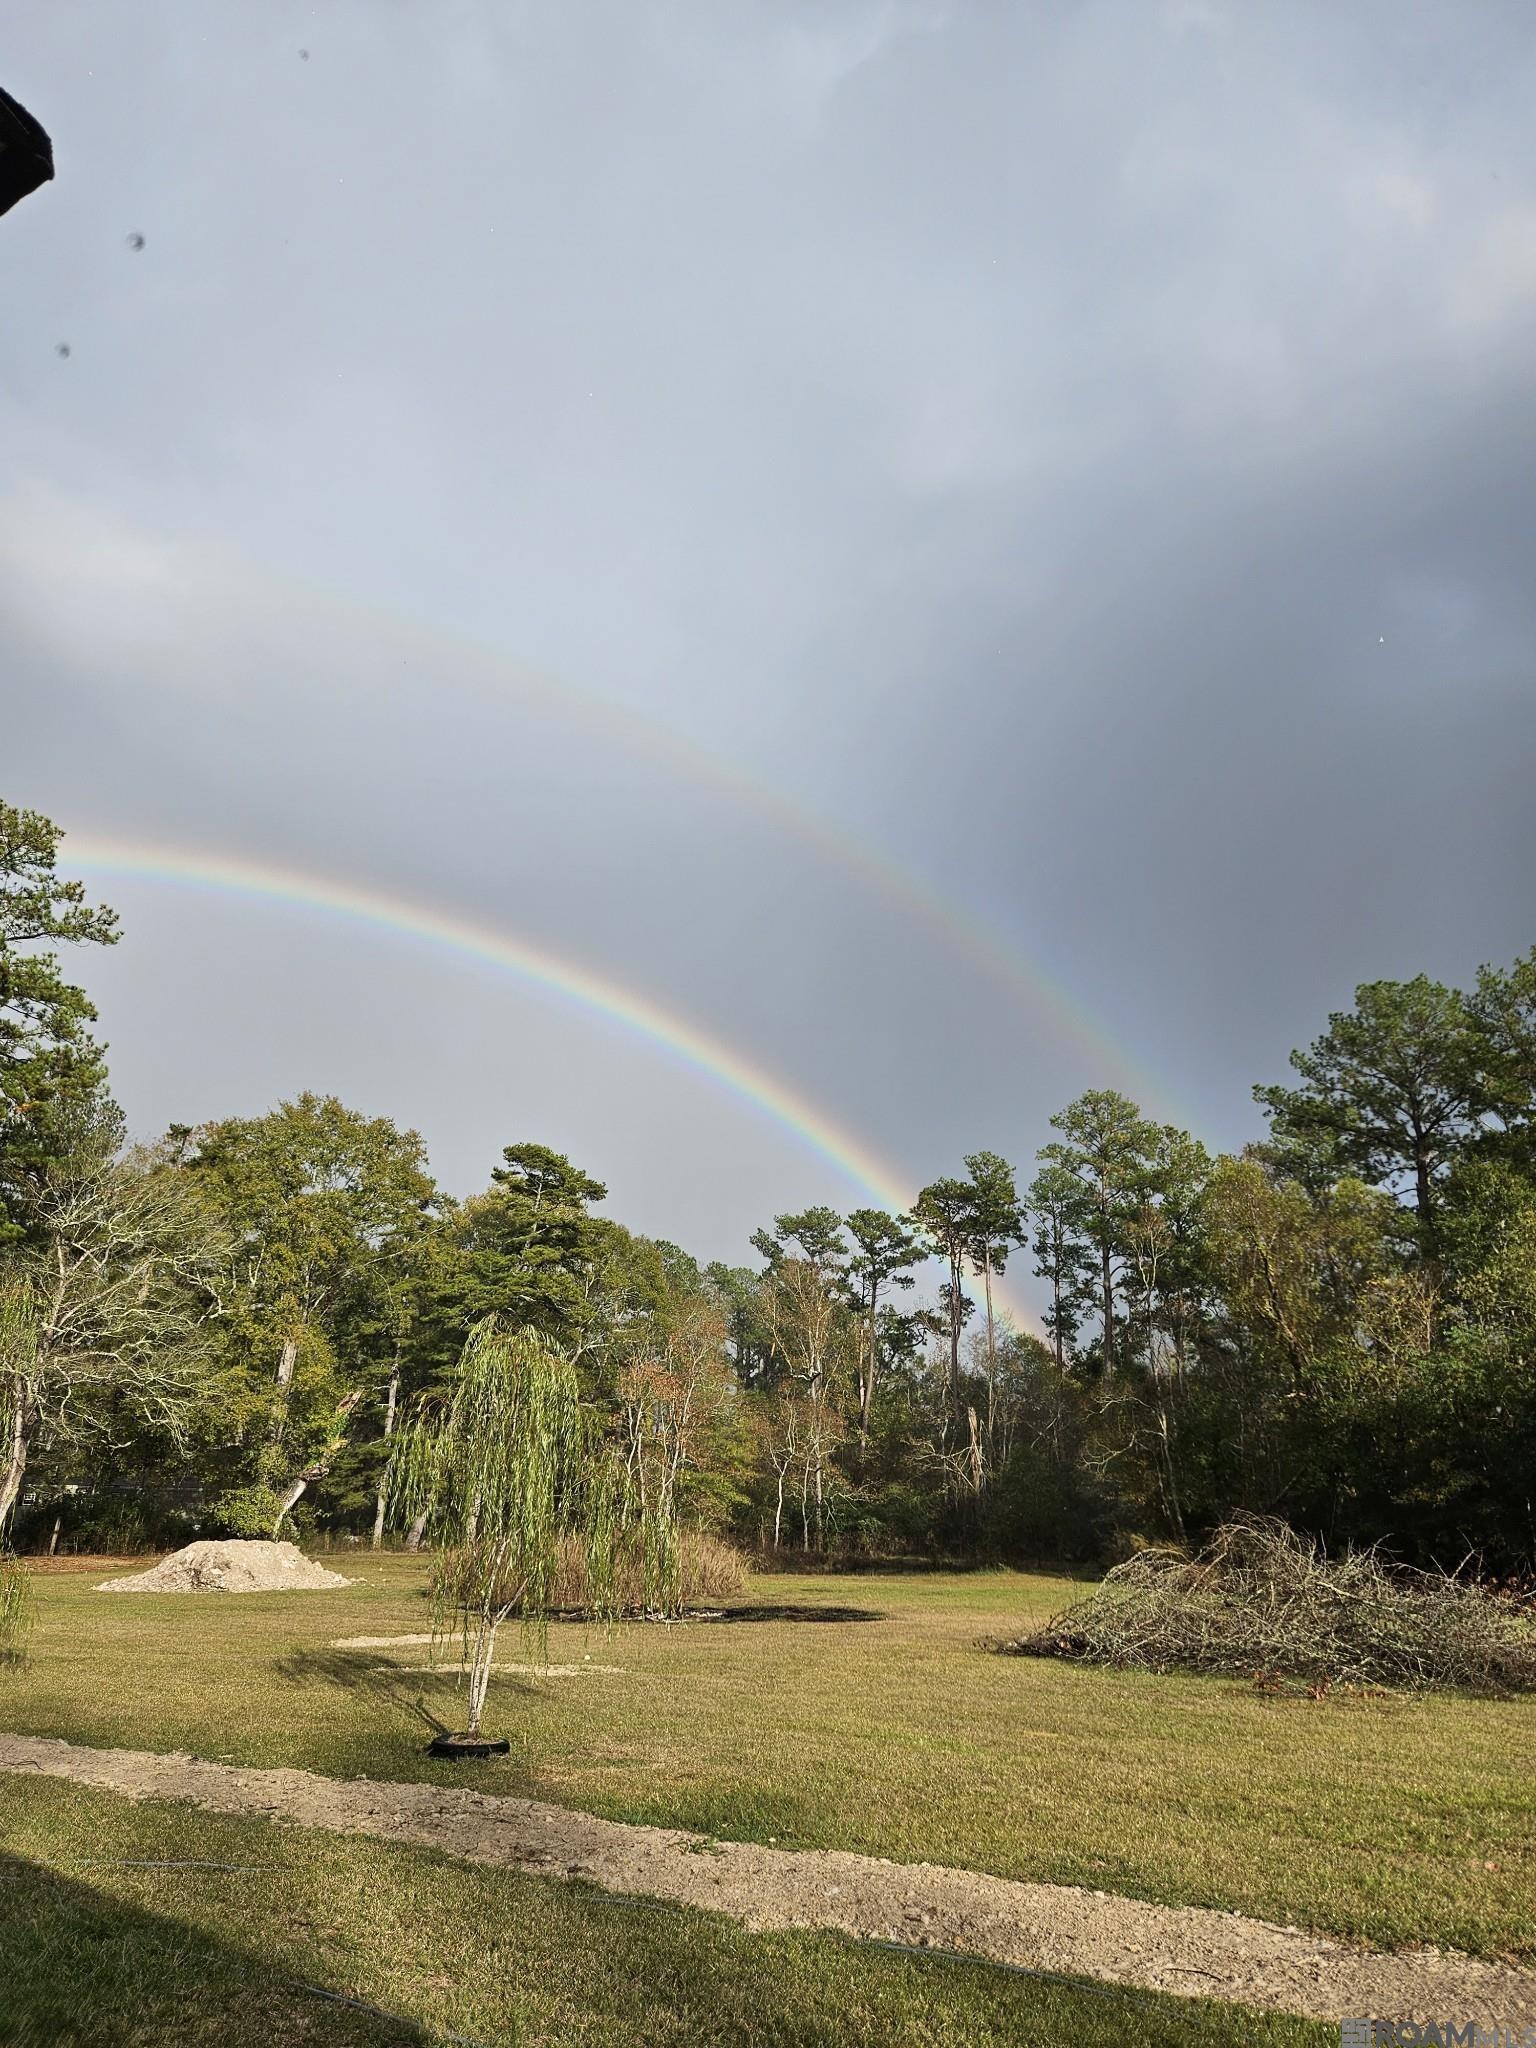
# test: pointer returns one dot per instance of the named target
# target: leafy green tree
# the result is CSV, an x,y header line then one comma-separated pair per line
x,y
1293,1268
328,1211
1482,1441
1392,1092
1103,1161
812,1234
50,1065
737,1289
885,1250
412,1327
997,1225
1164,1243
531,1247
1053,1207
1503,1012
944,1214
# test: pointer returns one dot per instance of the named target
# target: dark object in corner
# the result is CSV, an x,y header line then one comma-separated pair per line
x,y
467,1748
26,154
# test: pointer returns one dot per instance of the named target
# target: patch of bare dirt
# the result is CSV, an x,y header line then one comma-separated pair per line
x,y
1188,1949
230,1567
517,1670
380,1642
65,1562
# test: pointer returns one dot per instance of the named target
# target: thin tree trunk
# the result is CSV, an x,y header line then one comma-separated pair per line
x,y
986,1274
480,1670
53,1540
957,1405
1424,1193
287,1359
1175,1508
16,1458
417,1530
986,1271
293,1494
867,1389
389,1429
320,1467
1108,1284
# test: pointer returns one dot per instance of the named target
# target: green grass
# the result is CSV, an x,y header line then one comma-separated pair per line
x,y
899,1736
95,1952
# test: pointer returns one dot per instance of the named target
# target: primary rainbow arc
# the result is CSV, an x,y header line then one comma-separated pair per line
x,y
403,918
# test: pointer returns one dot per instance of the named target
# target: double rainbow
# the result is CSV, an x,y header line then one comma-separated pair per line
x,y
400,917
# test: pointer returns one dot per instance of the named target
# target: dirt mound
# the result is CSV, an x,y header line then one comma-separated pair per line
x,y
230,1567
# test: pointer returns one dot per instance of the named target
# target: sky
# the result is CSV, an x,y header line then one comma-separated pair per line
x,y
932,556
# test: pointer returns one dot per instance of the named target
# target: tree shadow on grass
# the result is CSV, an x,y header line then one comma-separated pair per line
x,y
778,1611
81,1969
359,1672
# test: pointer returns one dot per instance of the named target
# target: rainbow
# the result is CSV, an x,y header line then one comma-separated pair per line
x,y
233,578
400,917
642,734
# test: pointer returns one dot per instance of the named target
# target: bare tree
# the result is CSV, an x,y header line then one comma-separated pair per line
x,y
673,1388
814,1337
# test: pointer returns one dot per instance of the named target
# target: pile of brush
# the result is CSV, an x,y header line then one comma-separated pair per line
x,y
1261,1602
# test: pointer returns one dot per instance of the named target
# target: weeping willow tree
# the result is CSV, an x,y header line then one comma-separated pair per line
x,y
510,1470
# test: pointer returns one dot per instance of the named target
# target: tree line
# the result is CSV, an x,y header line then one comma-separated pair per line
x,y
225,1331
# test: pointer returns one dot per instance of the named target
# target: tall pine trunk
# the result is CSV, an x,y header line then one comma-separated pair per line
x,y
1107,1280
956,1276
986,1274
867,1378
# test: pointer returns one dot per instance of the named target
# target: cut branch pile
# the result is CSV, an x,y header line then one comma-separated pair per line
x,y
1262,1602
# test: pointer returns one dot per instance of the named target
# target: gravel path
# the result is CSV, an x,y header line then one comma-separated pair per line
x,y
1187,1949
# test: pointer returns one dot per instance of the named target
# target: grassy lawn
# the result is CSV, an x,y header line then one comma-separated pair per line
x,y
896,1735
95,1952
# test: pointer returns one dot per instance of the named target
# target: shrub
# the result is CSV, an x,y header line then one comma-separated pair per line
x,y
708,1571
1262,1602
247,1512
113,1525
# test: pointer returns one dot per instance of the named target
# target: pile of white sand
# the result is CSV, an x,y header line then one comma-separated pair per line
x,y
230,1567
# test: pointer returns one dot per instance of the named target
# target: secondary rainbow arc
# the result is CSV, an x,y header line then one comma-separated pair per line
x,y
238,579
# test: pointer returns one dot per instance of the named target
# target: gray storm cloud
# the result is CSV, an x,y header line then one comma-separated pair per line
x,y
1083,455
